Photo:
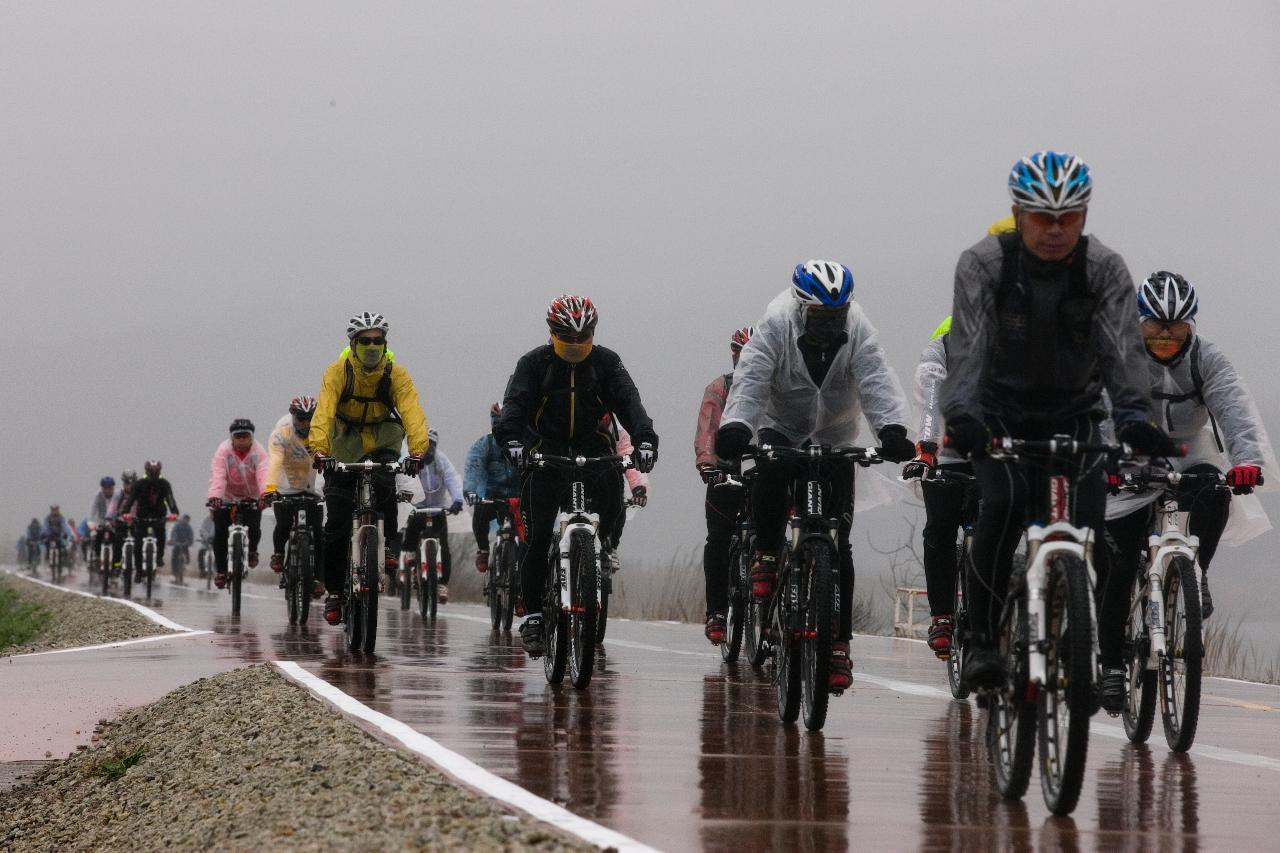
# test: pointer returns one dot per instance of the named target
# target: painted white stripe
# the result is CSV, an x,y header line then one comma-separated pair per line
x,y
145,611
151,639
464,769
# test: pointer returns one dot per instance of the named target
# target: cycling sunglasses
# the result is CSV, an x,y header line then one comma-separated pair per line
x,y
580,337
1067,218
373,342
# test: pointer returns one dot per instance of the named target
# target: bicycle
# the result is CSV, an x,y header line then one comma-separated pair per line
x,y
420,573
364,575
207,562
300,557
150,550
128,556
804,611
179,557
106,555
55,558
571,600
501,588
1164,649
960,614
238,548
1048,632
738,621
33,557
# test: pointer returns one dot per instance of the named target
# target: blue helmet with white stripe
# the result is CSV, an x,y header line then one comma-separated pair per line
x,y
822,283
1050,180
1167,296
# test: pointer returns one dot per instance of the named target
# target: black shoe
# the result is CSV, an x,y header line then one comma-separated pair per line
x,y
983,667
1206,600
1111,690
531,636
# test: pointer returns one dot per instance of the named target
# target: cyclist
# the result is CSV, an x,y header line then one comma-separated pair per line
x,y
207,532
487,475
722,504
554,402
368,407
101,501
152,500
813,365
1042,321
183,537
287,455
944,502
1203,403
84,536
115,509
56,528
237,472
441,489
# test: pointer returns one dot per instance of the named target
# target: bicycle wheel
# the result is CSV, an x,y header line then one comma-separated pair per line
x,y
959,627
786,679
237,572
406,582
305,575
291,580
1067,700
602,611
372,574
820,626
1011,715
1140,682
126,569
555,625
755,613
497,584
149,569
1180,671
584,586
105,564
510,580
736,614
433,581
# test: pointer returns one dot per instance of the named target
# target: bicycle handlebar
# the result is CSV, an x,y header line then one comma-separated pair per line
x,y
369,467
1138,479
862,455
543,460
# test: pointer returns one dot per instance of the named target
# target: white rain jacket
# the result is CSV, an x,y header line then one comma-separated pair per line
x,y
930,373
772,388
1179,410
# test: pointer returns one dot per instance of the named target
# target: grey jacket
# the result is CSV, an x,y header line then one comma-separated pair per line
x,y
930,374
772,387
991,373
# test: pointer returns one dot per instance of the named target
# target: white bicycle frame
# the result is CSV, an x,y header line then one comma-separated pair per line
x,y
237,531
567,523
427,513
1172,541
149,545
128,550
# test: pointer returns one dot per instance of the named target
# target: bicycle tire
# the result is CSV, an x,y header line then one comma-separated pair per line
x,y
755,614
1139,711
555,624
149,570
126,570
511,577
584,589
959,631
106,571
602,612
237,572
787,677
406,584
815,647
306,575
1011,719
291,580
497,582
735,615
433,582
371,572
1180,697
1064,749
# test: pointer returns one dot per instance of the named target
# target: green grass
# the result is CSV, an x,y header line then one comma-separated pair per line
x,y
19,620
114,766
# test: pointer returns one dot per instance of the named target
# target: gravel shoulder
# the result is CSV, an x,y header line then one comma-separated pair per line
x,y
75,620
247,760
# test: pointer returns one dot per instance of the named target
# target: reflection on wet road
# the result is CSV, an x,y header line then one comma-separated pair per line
x,y
678,750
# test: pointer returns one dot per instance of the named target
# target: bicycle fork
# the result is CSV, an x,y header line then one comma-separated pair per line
x,y
358,538
1044,543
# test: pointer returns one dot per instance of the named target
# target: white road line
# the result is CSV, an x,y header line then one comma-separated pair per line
x,y
464,769
152,639
145,611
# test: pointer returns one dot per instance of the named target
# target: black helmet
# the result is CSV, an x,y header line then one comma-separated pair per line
x,y
129,477
241,425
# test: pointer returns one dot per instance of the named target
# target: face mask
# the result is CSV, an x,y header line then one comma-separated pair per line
x,y
1163,348
370,354
822,328
572,353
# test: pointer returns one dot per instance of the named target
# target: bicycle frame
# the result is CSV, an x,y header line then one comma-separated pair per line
x,y
366,516
426,513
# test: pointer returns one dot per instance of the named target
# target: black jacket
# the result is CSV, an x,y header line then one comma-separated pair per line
x,y
556,407
151,498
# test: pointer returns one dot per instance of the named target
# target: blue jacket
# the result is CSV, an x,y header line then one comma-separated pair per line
x,y
488,473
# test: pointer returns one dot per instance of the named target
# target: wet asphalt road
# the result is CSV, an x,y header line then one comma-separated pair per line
x,y
674,748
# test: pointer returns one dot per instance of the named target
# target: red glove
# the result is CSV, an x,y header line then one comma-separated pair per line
x,y
127,518
927,452
1113,484
173,516
1243,478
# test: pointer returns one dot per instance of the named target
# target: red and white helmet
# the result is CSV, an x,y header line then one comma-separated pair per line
x,y
152,467
740,338
572,315
302,406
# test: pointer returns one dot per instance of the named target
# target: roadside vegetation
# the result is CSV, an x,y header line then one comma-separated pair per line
x,y
36,618
20,619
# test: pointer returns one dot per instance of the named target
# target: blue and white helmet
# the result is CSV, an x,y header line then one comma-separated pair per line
x,y
1050,180
1167,296
822,283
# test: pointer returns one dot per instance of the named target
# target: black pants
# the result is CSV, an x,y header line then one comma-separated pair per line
x,y
1128,534
770,504
723,503
1005,489
944,511
284,526
435,527
542,493
482,516
140,526
250,518
340,503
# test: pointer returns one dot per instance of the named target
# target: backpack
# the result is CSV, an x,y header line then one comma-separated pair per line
x,y
381,394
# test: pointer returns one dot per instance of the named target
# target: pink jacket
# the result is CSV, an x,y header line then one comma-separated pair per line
x,y
634,478
713,400
232,478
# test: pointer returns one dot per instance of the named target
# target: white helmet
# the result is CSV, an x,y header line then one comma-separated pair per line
x,y
822,283
1050,180
1167,296
368,321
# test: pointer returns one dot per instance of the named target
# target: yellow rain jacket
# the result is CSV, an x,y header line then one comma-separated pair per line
x,y
352,417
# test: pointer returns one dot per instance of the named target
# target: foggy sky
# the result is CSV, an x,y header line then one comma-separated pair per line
x,y
195,196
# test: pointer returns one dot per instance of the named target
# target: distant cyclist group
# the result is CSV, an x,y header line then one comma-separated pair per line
x,y
1047,387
